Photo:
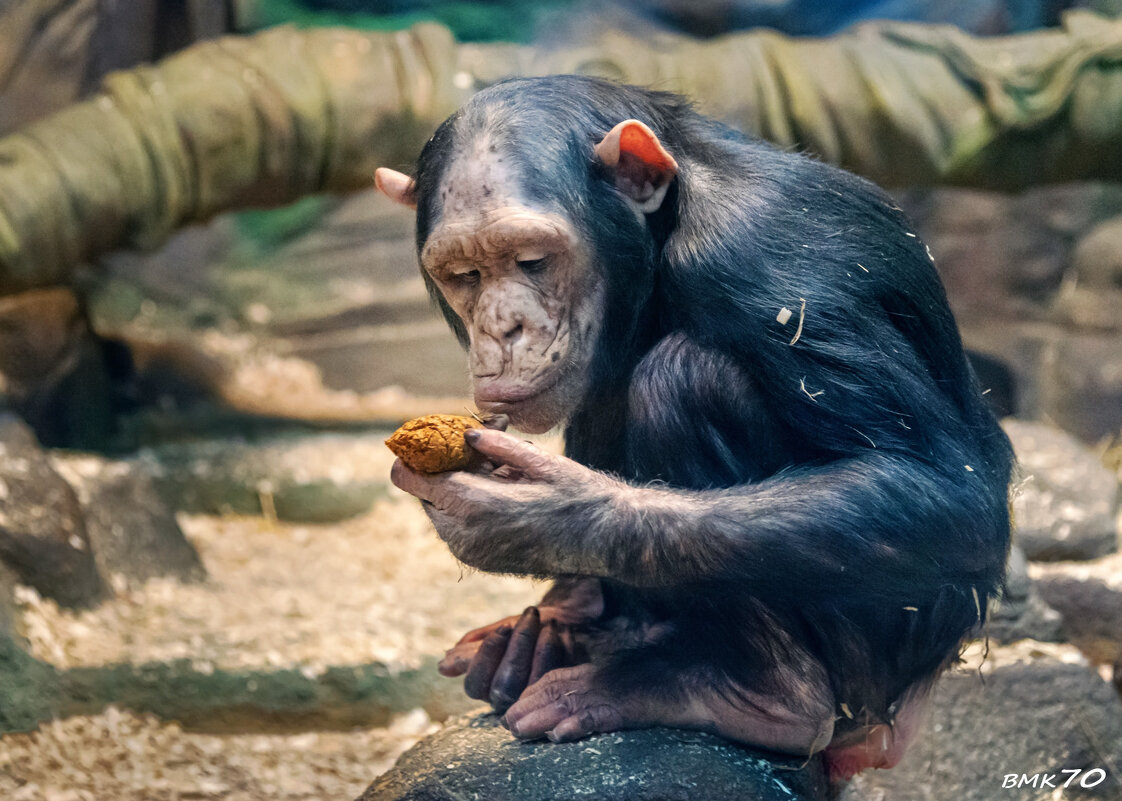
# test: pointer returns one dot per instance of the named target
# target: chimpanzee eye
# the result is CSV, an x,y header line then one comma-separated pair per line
x,y
532,265
468,278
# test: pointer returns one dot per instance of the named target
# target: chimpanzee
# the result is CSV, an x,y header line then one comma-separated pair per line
x,y
783,504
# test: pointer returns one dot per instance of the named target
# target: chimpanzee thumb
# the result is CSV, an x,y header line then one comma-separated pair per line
x,y
502,448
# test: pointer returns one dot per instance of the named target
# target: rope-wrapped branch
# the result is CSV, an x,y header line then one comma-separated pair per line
x,y
266,119
229,123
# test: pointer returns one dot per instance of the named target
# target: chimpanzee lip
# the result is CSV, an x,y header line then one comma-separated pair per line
x,y
515,395
510,398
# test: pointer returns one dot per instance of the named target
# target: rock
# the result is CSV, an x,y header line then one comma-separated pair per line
x,y
70,524
1097,258
1092,615
1070,377
1024,296
1004,256
32,692
315,312
132,531
42,535
474,758
1032,718
1021,613
38,330
1087,306
8,582
56,373
1066,507
1080,382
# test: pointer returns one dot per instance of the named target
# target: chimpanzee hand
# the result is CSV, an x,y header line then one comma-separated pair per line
x,y
501,660
523,512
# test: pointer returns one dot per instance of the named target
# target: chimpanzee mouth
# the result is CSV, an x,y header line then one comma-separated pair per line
x,y
493,396
510,398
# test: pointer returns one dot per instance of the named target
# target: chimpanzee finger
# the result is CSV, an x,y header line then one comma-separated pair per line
x,y
568,644
457,659
507,472
477,682
482,632
549,653
497,422
477,462
441,491
503,448
405,478
514,671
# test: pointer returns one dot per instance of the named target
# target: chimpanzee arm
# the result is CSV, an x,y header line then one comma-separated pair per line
x,y
882,525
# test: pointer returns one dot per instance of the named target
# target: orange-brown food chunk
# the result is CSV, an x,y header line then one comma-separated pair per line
x,y
433,443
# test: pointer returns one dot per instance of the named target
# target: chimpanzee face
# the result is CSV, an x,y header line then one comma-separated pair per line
x,y
520,277
524,286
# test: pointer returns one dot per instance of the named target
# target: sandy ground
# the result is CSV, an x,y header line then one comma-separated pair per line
x,y
1107,569
377,588
118,756
381,587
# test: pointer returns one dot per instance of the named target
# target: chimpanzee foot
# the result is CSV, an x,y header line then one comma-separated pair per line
x,y
880,745
570,703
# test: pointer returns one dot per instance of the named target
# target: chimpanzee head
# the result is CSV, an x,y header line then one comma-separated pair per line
x,y
532,232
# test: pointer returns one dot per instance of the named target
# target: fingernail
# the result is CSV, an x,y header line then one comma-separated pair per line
x,y
471,436
552,737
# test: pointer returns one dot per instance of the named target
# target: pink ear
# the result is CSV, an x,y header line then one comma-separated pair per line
x,y
397,186
643,168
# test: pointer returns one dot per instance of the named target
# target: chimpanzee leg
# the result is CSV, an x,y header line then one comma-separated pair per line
x,y
795,714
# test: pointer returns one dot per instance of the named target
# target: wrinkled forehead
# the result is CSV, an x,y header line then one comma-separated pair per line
x,y
482,206
481,177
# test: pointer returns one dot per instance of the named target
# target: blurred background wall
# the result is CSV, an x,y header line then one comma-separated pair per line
x,y
315,310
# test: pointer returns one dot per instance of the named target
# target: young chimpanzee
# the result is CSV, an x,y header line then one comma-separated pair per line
x,y
783,505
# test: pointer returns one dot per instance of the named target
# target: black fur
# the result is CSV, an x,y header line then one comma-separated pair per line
x,y
854,481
